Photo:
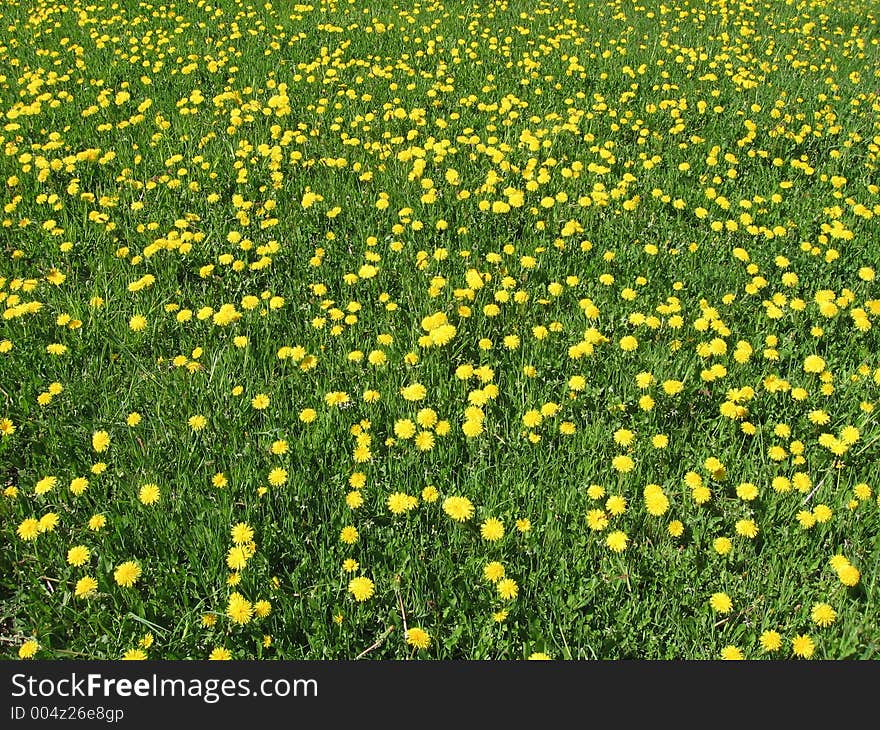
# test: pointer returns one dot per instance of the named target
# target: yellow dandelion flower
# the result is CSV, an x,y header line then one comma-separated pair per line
x,y
260,401
507,589
362,588
404,428
458,508
414,392
492,529
277,476
747,491
628,343
597,520
100,441
28,649
616,504
149,494
239,609
197,422
236,558
624,437
307,415
493,571
418,637
770,640
127,573
720,602
85,587
242,533
814,364
803,646
48,522
849,575
46,484
472,427
672,387
29,529
78,555
350,565
822,614
400,502
732,653
806,519
675,528
660,441
617,541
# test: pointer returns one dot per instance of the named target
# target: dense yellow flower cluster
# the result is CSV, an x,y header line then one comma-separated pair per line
x,y
441,314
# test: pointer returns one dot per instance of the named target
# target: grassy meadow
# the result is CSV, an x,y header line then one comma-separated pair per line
x,y
440,330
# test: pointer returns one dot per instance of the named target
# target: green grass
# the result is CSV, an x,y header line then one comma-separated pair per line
x,y
620,160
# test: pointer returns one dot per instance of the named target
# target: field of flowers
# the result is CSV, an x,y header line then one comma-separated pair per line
x,y
493,329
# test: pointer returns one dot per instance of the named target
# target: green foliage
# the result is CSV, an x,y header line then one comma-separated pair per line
x,y
237,236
